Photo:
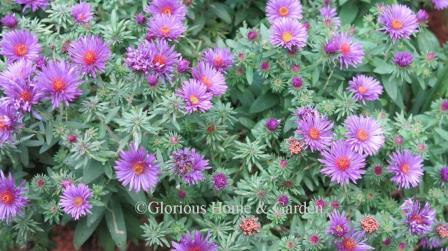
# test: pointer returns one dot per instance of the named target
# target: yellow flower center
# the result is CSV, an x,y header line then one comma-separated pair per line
x,y
59,85
167,10
283,11
78,201
194,100
405,168
90,57
345,48
165,30
206,81
362,89
287,36
7,197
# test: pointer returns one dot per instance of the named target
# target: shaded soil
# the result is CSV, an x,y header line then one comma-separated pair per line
x,y
438,23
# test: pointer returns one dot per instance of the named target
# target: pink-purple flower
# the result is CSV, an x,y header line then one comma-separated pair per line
x,y
90,54
190,165
220,181
20,44
364,135
346,51
282,9
82,12
10,120
75,201
34,5
440,4
167,7
195,96
288,33
353,242
166,27
419,220
330,16
194,241
9,21
12,198
399,21
220,58
339,224
316,132
406,168
365,88
211,78
403,59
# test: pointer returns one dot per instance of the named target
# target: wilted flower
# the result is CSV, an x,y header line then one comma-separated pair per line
x,y
348,52
339,224
419,220
12,197
75,201
220,58
288,33
398,21
211,78
250,226
365,88
195,96
403,59
82,12
20,44
282,9
189,165
194,241
166,27
167,7
364,135
9,21
406,168
90,54
369,224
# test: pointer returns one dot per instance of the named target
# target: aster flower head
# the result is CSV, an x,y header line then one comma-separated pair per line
x,y
220,58
194,241
137,169
195,96
75,201
220,181
9,121
365,88
353,242
183,66
403,59
140,59
20,44
282,9
90,54
272,124
167,7
60,82
330,16
364,135
208,76
346,51
9,21
342,164
189,165
399,21
140,19
407,168
12,198
422,16
419,220
288,33
316,132
440,4
444,174
306,112
339,224
166,27
163,58
82,12
34,5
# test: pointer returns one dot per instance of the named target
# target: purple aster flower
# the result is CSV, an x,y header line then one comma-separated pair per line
x,y
422,16
348,52
20,70
364,135
166,27
339,224
220,58
75,201
167,7
183,66
252,35
60,81
20,44
305,113
444,174
342,164
283,200
137,169
330,16
297,82
282,9
365,88
9,21
403,59
163,58
189,164
220,181
82,12
288,33
211,78
140,59
353,242
34,5
419,220
398,21
316,132
12,198
152,80
272,124
407,169
91,54
194,241
140,19
195,96
9,121
440,4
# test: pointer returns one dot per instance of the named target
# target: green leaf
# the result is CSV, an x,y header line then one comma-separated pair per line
x,y
83,231
442,133
349,12
391,87
427,41
263,103
92,171
116,224
220,10
249,75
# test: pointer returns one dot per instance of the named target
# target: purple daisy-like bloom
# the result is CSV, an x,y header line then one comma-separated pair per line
x,y
330,16
75,201
20,44
339,224
407,168
282,9
288,33
272,124
403,59
166,27
444,174
34,5
167,7
195,96
211,78
12,198
9,121
283,200
91,54
316,132
422,16
220,58
348,52
220,181
353,242
140,59
398,21
342,164
189,164
306,112
59,81
194,241
9,21
137,169
163,58
419,220
364,135
365,88
440,4
82,13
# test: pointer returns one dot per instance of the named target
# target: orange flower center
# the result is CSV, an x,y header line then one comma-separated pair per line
x,y
26,95
349,244
167,10
206,81
417,218
159,60
283,11
82,17
138,167
59,85
21,50
314,133
194,100
90,57
4,123
78,201
194,248
287,36
362,89
165,30
7,197
345,48
405,168
362,135
397,24
218,61
342,163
